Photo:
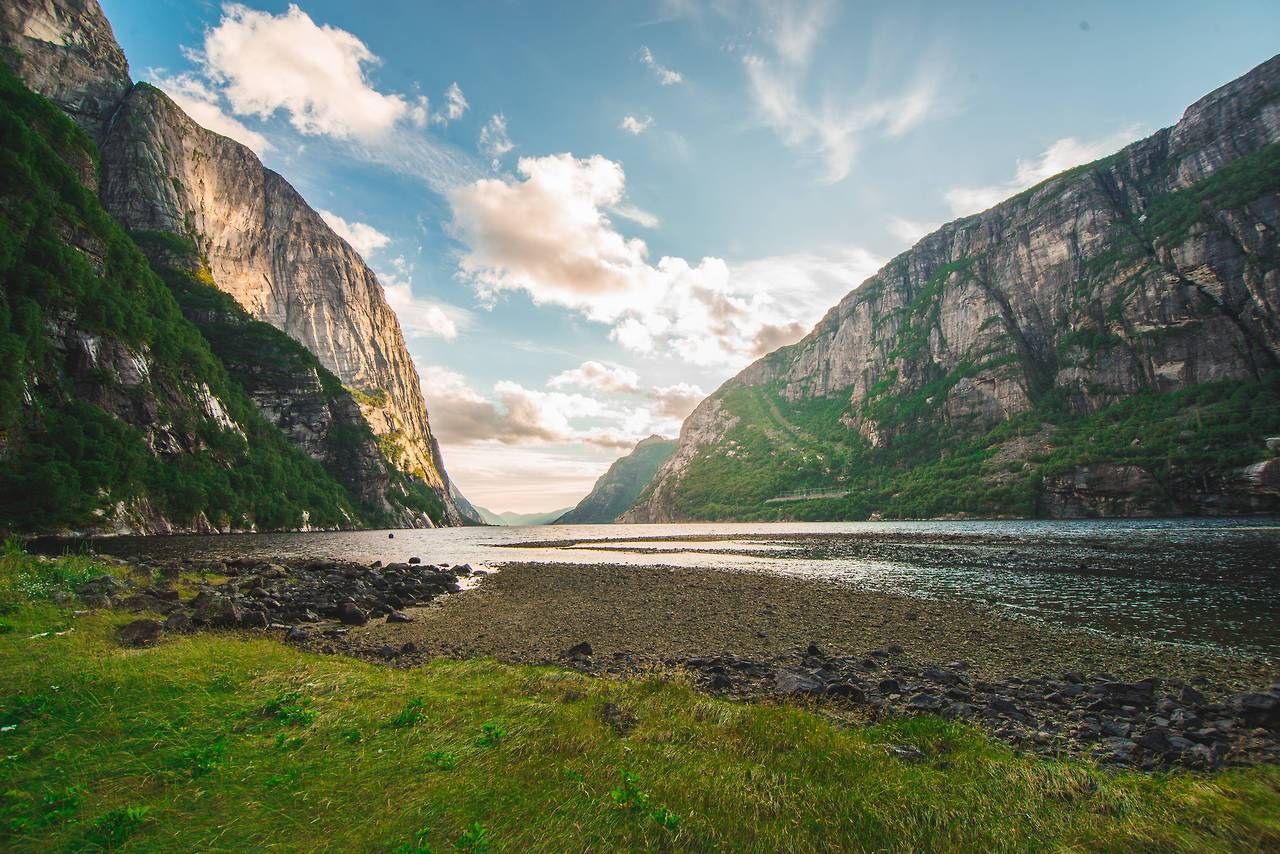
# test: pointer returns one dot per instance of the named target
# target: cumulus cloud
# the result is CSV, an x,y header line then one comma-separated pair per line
x,y
831,128
363,237
677,401
204,105
418,317
494,140
315,74
602,375
549,235
666,76
1058,157
517,415
635,126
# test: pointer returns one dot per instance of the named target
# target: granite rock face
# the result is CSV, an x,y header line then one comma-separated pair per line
x,y
1093,285
66,51
263,244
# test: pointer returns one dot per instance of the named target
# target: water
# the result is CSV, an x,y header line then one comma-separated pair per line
x,y
1205,582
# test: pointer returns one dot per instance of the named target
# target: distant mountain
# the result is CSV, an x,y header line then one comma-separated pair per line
x,y
471,514
1106,343
619,487
516,519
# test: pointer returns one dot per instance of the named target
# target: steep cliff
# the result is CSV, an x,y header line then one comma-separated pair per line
x,y
263,245
1117,325
619,487
114,414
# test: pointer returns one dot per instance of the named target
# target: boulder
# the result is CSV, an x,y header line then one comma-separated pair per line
x,y
140,632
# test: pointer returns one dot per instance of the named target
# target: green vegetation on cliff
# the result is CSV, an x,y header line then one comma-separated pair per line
x,y
617,489
239,742
935,468
79,304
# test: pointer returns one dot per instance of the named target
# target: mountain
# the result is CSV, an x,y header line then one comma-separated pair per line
x,y
244,229
620,486
1104,343
115,414
511,519
471,515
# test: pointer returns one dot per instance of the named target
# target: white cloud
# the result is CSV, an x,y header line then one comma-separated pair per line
x,y
550,237
602,375
677,401
455,105
418,317
494,140
203,105
666,76
908,230
363,238
1058,157
637,215
635,126
832,128
315,74
525,479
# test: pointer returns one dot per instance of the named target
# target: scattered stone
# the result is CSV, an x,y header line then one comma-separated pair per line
x,y
296,634
622,720
791,683
398,617
351,615
578,651
140,632
907,752
415,560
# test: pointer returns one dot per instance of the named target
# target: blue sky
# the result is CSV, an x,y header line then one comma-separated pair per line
x,y
588,215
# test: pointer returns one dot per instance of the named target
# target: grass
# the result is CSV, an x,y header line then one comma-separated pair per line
x,y
226,742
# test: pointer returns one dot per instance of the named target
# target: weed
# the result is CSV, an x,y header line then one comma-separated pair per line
x,y
290,709
475,838
629,796
352,735
201,760
410,714
115,826
491,735
279,781
443,760
418,845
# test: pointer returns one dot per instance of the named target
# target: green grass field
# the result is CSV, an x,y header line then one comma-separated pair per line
x,y
230,742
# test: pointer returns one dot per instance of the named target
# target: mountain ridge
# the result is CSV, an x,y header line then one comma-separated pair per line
x,y
618,488
1148,273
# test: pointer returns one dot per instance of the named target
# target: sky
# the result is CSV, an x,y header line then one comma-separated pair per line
x,y
588,215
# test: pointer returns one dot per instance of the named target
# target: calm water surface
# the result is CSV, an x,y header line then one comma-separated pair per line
x,y
1203,582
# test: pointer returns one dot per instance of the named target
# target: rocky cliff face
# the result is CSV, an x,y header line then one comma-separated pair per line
x,y
620,486
1153,271
66,51
264,245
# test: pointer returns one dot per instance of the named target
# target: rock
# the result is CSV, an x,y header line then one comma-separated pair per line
x,y
415,560
252,618
622,720
395,616
1257,709
1191,697
907,752
179,622
351,615
925,703
890,686
790,683
216,610
578,650
847,691
815,651
140,632
1156,740
296,634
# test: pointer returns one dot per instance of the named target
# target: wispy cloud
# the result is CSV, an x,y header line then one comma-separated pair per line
x,y
494,140
831,127
635,126
1058,157
666,76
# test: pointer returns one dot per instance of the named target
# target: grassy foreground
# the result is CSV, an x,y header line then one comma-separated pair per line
x,y
232,742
